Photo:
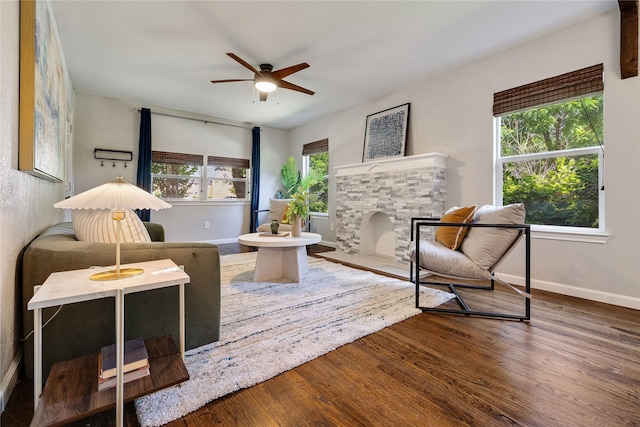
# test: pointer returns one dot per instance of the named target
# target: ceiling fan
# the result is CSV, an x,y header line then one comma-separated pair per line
x,y
266,80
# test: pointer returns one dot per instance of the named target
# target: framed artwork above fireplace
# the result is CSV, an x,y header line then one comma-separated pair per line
x,y
385,134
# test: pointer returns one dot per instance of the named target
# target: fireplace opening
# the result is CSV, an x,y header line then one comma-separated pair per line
x,y
377,236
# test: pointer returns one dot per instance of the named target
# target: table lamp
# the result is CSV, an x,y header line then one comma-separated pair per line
x,y
117,196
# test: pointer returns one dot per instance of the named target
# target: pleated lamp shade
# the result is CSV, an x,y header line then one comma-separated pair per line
x,y
118,194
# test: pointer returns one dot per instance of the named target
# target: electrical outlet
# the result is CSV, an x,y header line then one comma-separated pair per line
x,y
206,224
331,227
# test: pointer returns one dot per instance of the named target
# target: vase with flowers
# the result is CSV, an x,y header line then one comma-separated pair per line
x,y
299,205
298,209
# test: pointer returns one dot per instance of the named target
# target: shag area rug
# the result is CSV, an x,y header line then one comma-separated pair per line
x,y
270,328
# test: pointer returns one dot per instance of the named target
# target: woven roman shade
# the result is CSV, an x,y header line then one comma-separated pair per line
x,y
575,84
316,147
176,158
228,162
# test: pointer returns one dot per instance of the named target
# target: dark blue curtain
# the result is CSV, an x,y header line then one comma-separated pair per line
x,y
143,178
255,177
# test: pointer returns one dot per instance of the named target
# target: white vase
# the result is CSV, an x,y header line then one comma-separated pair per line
x,y
296,226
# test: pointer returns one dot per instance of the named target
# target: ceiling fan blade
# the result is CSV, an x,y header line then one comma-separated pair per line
x,y
291,86
231,80
244,63
281,74
263,96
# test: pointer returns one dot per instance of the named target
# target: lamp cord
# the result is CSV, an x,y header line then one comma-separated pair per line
x,y
45,323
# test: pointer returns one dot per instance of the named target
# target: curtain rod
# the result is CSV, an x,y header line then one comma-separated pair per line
x,y
200,120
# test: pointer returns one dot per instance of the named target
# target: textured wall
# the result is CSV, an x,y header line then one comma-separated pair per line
x,y
26,202
400,194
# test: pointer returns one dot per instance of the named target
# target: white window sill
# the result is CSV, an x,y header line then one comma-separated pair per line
x,y
569,234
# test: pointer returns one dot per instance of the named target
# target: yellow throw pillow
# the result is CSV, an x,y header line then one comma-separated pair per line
x,y
452,237
284,219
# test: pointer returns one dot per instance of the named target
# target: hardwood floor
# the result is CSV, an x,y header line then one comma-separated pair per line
x,y
576,363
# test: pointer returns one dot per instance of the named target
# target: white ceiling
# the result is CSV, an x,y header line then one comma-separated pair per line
x,y
165,53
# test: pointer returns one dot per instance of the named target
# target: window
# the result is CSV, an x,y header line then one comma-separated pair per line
x,y
550,149
176,175
226,178
179,176
315,157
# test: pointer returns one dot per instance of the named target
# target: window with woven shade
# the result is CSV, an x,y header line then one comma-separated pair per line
x,y
176,176
227,178
183,176
315,156
550,149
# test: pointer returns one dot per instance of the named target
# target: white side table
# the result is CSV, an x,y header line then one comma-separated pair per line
x,y
280,257
74,286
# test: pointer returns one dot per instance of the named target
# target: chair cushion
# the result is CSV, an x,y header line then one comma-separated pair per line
x,y
452,237
484,245
438,258
98,226
277,208
264,228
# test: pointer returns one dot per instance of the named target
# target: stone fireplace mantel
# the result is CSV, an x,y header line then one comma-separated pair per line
x,y
376,200
428,160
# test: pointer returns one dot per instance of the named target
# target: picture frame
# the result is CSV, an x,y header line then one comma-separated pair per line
x,y
43,122
386,134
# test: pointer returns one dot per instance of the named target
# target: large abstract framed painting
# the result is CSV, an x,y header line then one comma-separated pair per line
x,y
42,94
385,134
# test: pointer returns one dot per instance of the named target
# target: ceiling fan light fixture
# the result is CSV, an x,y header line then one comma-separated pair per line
x,y
265,84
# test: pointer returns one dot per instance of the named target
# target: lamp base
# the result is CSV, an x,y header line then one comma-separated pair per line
x,y
125,273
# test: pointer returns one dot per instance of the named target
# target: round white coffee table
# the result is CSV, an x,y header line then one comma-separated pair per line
x,y
280,257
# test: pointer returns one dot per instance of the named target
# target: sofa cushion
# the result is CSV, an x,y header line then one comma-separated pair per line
x,y
486,245
439,259
96,225
452,237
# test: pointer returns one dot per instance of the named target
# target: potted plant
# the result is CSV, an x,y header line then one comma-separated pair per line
x,y
299,205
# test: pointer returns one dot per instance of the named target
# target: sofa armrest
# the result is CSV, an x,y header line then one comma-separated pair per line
x,y
155,230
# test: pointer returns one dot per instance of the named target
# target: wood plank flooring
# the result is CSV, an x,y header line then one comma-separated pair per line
x,y
577,363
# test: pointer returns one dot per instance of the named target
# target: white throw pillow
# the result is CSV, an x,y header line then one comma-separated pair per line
x,y
485,245
98,226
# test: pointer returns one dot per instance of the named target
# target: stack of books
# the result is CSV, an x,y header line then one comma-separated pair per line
x,y
135,365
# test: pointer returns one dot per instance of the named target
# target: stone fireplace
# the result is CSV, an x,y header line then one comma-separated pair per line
x,y
376,200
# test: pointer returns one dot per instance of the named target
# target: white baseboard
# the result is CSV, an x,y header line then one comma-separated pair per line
x,y
329,244
10,379
573,291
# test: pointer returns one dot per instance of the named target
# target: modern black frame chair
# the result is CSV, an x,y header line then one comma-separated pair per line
x,y
524,231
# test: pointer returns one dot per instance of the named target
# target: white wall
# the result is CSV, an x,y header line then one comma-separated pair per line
x,y
452,113
26,202
110,123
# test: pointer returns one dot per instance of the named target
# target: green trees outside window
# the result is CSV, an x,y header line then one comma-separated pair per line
x,y
174,181
551,160
319,164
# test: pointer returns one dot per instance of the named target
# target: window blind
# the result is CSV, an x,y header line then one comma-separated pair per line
x,y
316,147
177,158
228,161
575,84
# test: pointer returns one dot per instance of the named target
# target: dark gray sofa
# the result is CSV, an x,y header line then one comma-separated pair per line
x,y
83,328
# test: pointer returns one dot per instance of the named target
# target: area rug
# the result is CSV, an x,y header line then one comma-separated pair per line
x,y
270,328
